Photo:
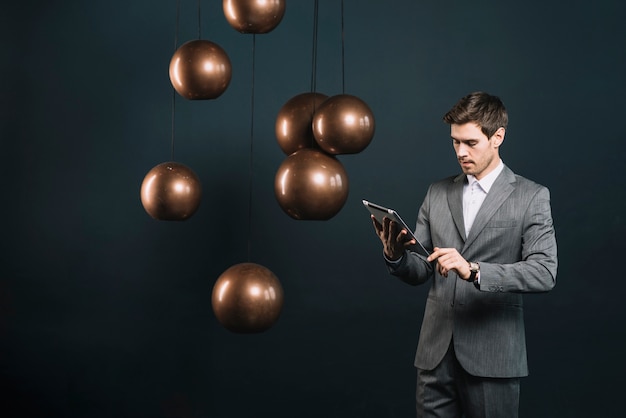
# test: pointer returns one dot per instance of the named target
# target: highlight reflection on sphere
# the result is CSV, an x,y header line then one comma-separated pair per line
x,y
254,16
200,70
311,185
247,298
343,124
293,125
171,192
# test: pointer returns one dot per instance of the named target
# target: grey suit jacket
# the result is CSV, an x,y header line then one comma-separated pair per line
x,y
513,240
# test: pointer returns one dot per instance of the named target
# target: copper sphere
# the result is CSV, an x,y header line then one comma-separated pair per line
x,y
247,298
200,70
294,122
343,124
311,185
171,192
254,16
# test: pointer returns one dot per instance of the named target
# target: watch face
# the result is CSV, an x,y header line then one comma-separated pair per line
x,y
474,266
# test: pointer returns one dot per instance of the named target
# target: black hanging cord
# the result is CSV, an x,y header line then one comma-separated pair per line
x,y
199,20
314,49
314,58
343,72
250,168
177,25
173,91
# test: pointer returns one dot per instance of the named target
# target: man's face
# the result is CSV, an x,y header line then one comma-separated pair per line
x,y
476,153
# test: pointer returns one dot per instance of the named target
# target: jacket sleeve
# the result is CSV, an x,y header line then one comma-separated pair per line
x,y
413,267
536,271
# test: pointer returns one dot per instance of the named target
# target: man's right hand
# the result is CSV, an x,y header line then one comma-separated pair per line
x,y
393,238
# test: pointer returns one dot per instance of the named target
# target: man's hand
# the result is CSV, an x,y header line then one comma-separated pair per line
x,y
449,259
393,238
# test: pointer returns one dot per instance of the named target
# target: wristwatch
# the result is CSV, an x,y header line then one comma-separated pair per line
x,y
474,269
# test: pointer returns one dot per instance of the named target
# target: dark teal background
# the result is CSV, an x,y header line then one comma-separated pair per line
x,y
105,312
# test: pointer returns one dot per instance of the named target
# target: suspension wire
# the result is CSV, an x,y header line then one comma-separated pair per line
x,y
176,29
314,60
343,71
250,169
199,24
314,48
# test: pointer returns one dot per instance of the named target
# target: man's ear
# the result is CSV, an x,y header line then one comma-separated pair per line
x,y
498,137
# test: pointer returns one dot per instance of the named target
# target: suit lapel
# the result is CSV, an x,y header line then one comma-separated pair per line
x,y
455,202
500,191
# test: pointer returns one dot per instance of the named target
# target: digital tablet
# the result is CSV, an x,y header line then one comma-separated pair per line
x,y
380,212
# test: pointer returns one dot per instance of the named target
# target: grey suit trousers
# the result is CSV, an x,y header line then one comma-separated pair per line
x,y
448,391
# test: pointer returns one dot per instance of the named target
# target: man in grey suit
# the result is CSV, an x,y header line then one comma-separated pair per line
x,y
492,239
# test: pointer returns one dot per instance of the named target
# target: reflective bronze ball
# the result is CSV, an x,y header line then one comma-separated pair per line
x,y
200,70
343,124
247,298
293,126
254,16
311,185
171,192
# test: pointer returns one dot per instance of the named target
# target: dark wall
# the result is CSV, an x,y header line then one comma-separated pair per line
x,y
106,312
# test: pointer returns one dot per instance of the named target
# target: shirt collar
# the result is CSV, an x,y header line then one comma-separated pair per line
x,y
487,181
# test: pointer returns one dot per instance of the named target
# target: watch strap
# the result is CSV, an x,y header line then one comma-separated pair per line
x,y
474,269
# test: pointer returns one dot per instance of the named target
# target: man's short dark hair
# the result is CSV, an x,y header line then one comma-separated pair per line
x,y
487,111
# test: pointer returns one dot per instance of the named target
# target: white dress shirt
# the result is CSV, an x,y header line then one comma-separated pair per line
x,y
474,193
